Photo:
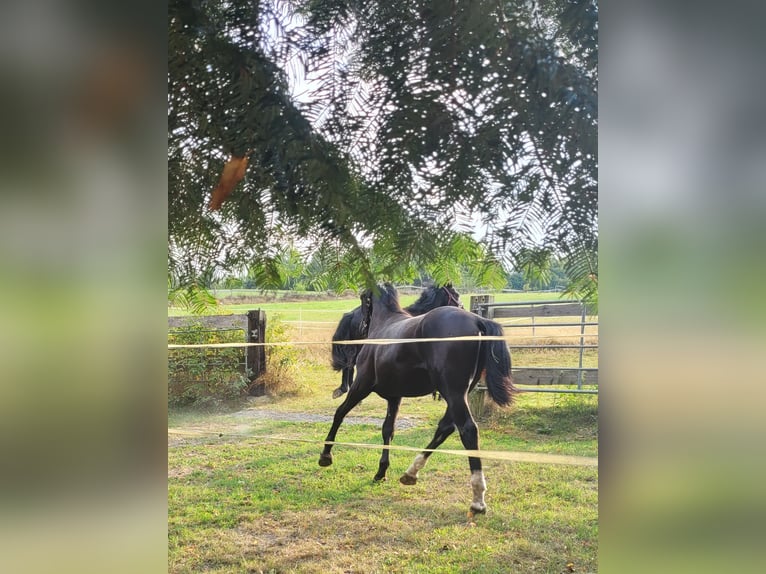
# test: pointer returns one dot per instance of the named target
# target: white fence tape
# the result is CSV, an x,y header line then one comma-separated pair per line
x,y
515,456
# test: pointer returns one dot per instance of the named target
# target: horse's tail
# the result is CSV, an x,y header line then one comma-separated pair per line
x,y
495,358
338,358
344,356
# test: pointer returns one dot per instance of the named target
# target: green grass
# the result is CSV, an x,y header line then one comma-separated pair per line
x,y
295,305
238,504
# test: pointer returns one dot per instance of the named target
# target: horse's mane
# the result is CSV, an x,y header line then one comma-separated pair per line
x,y
429,299
389,297
425,301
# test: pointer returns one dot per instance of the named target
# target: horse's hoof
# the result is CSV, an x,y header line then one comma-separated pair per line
x,y
337,392
408,480
377,478
477,509
325,459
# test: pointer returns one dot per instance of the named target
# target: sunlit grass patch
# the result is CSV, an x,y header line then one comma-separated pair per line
x,y
239,504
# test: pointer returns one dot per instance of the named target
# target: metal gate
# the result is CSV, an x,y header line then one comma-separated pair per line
x,y
555,314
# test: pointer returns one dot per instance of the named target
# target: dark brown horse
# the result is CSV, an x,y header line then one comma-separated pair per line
x,y
352,326
415,369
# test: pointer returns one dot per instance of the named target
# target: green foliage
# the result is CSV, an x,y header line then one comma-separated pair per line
x,y
233,283
585,288
467,263
463,262
205,377
516,280
284,270
193,298
539,268
535,266
416,112
329,269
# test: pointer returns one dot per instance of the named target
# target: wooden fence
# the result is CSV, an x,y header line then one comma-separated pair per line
x,y
253,327
524,315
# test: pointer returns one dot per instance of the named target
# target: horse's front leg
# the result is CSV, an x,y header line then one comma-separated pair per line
x,y
359,392
388,435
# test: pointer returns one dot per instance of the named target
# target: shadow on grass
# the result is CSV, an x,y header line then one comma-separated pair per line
x,y
564,416
249,506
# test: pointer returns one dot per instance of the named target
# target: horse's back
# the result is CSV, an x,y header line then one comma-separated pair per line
x,y
447,322
385,362
450,358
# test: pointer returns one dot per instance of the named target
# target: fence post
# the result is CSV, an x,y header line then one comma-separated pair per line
x,y
582,345
255,357
476,302
262,334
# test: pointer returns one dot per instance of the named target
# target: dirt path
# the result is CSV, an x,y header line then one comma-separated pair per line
x,y
239,423
265,414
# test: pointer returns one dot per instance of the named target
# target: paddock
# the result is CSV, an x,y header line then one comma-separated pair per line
x,y
237,503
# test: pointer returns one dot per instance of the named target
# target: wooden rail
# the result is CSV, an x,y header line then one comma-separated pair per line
x,y
253,327
540,379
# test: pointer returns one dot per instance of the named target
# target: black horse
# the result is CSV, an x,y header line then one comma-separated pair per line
x,y
416,369
352,327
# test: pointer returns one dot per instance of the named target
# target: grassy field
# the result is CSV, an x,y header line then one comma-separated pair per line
x,y
239,504
315,321
242,504
293,305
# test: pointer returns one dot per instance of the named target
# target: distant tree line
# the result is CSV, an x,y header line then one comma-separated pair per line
x,y
294,270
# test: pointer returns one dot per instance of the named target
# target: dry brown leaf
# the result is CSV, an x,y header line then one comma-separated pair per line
x,y
233,172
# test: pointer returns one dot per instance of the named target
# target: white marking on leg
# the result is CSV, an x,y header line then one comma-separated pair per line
x,y
479,486
417,464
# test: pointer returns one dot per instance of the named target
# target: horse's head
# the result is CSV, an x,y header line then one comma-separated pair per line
x,y
453,297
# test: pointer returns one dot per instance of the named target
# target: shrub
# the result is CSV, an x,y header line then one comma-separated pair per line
x,y
205,377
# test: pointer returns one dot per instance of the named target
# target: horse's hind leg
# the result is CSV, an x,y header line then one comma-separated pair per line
x,y
357,393
388,434
469,435
445,429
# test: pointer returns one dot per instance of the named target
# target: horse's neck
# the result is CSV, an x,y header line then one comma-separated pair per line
x,y
420,307
417,308
383,318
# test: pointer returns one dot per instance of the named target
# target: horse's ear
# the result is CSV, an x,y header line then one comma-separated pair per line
x,y
448,285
